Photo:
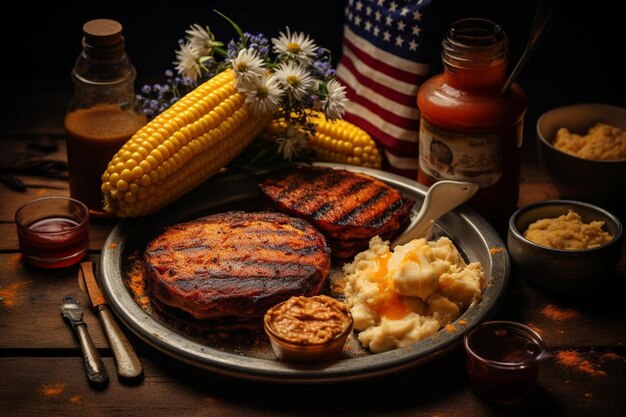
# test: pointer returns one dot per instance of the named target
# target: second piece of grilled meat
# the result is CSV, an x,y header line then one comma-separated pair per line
x,y
348,207
231,267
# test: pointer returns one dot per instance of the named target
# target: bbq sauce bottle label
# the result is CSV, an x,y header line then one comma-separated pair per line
x,y
445,155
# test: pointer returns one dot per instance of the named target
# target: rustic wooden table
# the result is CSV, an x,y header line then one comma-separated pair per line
x,y
42,370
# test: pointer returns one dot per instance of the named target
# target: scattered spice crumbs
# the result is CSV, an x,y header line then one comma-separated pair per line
x,y
8,295
136,282
112,245
588,395
450,328
573,359
535,328
42,191
52,390
495,250
462,322
75,399
15,259
553,312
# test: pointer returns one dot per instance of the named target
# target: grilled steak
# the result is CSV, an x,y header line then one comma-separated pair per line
x,y
231,267
349,208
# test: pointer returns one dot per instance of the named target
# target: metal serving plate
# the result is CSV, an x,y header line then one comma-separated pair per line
x,y
248,355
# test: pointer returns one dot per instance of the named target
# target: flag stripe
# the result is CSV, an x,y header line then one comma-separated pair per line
x,y
374,74
400,162
402,104
376,126
382,66
384,107
390,63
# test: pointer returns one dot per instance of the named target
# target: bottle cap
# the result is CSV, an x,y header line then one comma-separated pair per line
x,y
102,39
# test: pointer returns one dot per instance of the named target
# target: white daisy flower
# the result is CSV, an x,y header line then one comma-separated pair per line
x,y
187,63
201,40
333,104
292,143
295,79
296,46
247,66
262,93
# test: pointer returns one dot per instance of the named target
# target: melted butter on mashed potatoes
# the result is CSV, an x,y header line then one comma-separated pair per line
x,y
400,297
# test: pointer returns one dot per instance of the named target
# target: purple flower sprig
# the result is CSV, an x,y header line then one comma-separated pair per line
x,y
255,41
156,98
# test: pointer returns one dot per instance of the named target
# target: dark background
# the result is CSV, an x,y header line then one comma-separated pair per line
x,y
575,62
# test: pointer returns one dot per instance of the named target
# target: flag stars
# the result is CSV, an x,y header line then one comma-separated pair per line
x,y
399,40
368,26
386,36
401,26
417,15
381,3
359,6
393,6
377,16
388,20
404,11
376,31
415,30
368,11
357,20
413,45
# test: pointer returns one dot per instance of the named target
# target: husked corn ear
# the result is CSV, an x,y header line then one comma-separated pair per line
x,y
180,148
335,141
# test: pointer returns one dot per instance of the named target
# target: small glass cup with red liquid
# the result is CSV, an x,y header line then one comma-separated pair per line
x,y
53,232
503,360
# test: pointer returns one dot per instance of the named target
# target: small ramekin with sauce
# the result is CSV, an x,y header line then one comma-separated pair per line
x,y
308,329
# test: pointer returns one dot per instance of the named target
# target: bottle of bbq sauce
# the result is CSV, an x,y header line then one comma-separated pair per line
x,y
470,130
103,113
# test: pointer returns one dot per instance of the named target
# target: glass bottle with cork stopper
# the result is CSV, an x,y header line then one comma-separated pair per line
x,y
470,129
103,113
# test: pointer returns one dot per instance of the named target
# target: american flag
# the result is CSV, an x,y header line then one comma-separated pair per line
x,y
382,65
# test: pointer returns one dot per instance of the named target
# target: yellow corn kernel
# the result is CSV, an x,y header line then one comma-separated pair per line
x,y
335,141
180,148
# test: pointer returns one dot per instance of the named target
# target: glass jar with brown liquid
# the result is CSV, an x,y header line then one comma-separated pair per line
x,y
470,130
103,113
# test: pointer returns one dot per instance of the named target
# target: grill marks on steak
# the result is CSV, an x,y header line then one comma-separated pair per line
x,y
233,266
347,207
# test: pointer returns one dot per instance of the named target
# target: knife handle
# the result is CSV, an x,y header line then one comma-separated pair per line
x,y
96,372
128,364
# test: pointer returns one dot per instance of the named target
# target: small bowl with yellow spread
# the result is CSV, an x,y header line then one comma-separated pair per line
x,y
582,148
565,245
308,329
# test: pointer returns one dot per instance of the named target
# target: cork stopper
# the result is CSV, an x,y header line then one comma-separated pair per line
x,y
102,39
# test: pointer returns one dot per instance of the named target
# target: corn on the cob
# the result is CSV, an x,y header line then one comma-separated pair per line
x,y
180,148
334,141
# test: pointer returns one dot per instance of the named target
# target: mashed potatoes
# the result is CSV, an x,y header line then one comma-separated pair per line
x,y
398,298
567,232
603,142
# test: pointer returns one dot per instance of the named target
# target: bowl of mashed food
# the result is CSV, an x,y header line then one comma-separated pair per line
x,y
308,329
565,245
582,148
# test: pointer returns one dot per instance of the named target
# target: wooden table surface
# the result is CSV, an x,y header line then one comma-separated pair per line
x,y
42,369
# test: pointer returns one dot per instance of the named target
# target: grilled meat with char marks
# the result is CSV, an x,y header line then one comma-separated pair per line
x,y
231,267
348,207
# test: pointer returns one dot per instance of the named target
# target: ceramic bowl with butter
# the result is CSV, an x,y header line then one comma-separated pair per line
x,y
565,245
308,329
584,164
